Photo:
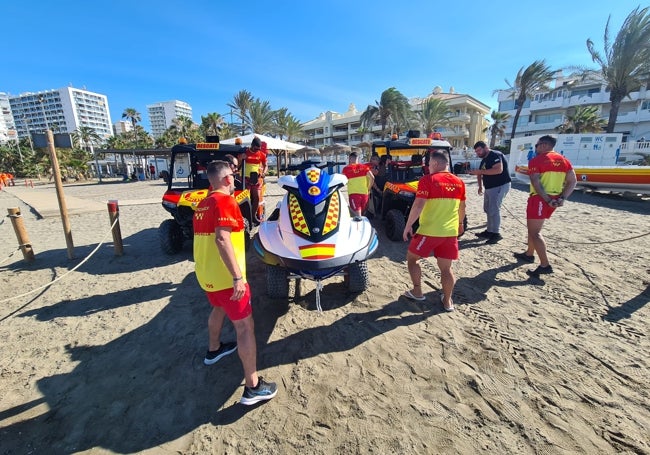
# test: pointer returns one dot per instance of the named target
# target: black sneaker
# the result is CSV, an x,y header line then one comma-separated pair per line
x,y
213,357
524,257
264,391
494,238
540,271
484,234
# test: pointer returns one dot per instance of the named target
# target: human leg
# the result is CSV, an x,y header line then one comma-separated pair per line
x,y
215,324
415,272
247,349
447,279
536,242
495,197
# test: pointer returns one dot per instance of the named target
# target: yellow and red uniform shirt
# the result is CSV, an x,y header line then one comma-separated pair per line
x,y
443,192
357,175
217,210
552,168
254,160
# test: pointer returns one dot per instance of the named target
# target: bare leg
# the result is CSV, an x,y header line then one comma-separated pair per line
x,y
247,349
536,241
215,323
415,272
447,279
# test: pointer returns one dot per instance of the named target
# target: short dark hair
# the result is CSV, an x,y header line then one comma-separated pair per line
x,y
480,144
439,156
547,138
353,155
216,167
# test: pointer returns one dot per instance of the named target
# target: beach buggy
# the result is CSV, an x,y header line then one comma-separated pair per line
x,y
393,202
187,185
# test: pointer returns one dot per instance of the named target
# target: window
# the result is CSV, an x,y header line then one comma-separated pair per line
x,y
548,118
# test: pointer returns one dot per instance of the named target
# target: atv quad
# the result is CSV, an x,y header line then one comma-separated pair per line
x,y
187,185
410,157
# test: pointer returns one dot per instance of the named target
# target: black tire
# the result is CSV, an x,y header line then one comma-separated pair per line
x,y
165,176
277,282
358,278
171,237
395,224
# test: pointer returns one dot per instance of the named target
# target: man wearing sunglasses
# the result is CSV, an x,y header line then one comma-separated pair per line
x,y
552,180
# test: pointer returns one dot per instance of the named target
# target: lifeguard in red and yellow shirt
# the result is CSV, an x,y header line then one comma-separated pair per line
x,y
360,180
254,161
440,207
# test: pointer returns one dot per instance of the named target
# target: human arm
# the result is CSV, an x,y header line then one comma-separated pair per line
x,y
371,180
414,214
570,182
536,182
227,254
461,217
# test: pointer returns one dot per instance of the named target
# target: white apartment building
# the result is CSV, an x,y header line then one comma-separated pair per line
x,y
547,110
121,127
7,127
162,114
63,111
467,121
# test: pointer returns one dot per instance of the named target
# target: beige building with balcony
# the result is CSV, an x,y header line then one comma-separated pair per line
x,y
467,122
549,109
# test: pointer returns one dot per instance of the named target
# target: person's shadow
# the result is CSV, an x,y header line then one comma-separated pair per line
x,y
474,289
148,385
626,309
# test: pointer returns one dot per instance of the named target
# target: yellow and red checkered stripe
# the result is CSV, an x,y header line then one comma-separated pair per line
x,y
313,175
333,211
318,251
297,218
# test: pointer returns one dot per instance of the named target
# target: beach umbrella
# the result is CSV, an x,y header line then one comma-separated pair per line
x,y
306,151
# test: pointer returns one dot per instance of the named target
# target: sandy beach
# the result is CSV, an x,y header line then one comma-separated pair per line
x,y
108,359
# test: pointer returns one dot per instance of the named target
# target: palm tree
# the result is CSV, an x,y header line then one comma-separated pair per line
x,y
392,107
260,117
498,127
85,136
435,113
212,123
530,80
626,62
241,104
134,117
585,119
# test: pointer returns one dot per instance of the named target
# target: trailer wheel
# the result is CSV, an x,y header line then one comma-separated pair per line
x,y
358,279
277,282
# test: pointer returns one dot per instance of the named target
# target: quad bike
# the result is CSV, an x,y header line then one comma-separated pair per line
x,y
312,235
393,203
187,185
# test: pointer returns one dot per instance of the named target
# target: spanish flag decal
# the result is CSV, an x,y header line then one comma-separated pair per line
x,y
318,251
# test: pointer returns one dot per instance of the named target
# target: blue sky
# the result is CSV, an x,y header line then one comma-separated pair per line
x,y
309,57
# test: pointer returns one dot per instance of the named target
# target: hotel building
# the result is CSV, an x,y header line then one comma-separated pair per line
x,y
466,122
7,127
549,109
162,114
63,111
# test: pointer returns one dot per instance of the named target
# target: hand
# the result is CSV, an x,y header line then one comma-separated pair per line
x,y
480,191
408,233
239,288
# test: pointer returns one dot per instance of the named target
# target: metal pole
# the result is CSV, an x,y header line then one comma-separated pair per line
x,y
63,207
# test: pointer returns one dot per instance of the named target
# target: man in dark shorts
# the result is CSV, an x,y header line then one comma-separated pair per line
x,y
493,175
220,264
552,180
440,206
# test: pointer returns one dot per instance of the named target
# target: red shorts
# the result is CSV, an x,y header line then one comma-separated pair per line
x,y
234,309
538,209
440,247
358,201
